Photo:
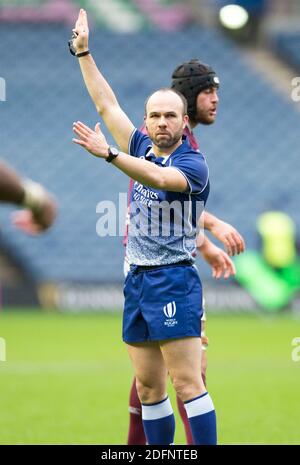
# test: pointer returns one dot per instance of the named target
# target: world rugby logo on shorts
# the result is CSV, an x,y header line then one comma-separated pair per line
x,y
170,311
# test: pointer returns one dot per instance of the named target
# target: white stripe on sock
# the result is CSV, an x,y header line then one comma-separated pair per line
x,y
199,406
154,412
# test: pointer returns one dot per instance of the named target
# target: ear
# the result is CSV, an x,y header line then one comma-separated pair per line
x,y
145,124
185,121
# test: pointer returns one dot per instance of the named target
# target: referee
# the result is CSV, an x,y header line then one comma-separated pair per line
x,y
163,292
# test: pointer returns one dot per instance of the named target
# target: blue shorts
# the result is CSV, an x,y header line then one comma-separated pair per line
x,y
164,303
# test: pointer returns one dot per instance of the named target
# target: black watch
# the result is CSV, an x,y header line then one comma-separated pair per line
x,y
113,152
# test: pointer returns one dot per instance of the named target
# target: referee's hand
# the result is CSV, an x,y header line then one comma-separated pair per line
x,y
81,30
92,141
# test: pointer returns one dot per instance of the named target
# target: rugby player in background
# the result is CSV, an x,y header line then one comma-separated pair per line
x,y
38,206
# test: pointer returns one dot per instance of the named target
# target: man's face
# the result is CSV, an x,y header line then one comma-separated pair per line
x,y
207,103
165,119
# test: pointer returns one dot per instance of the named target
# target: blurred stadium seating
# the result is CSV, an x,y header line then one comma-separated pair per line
x,y
287,45
252,149
121,15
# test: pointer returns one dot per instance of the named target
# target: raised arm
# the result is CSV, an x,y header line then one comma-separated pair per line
x,y
100,91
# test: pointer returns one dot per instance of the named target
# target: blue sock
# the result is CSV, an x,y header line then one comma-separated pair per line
x,y
159,422
202,418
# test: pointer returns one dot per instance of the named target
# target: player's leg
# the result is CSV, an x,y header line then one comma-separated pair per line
x,y
204,345
204,341
136,435
180,404
151,383
183,361
185,421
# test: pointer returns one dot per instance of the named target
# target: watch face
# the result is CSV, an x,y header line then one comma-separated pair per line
x,y
114,151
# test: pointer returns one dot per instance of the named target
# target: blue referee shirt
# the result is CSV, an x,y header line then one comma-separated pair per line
x,y
163,225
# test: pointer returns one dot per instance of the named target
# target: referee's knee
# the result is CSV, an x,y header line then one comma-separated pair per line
x,y
188,389
150,394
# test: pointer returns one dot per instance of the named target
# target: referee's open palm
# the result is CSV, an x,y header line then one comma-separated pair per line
x,y
92,141
81,42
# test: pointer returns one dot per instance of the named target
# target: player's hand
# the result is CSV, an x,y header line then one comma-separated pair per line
x,y
93,141
35,222
81,42
220,262
231,239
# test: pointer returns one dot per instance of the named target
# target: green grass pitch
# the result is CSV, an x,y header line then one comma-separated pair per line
x,y
67,377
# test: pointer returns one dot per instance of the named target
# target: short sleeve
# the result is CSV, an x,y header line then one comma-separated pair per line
x,y
139,144
194,168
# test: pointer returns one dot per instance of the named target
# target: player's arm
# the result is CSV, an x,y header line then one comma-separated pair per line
x,y
40,207
143,171
100,91
11,188
221,264
225,233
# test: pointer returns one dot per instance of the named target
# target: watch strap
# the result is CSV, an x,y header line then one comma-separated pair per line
x,y
112,156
